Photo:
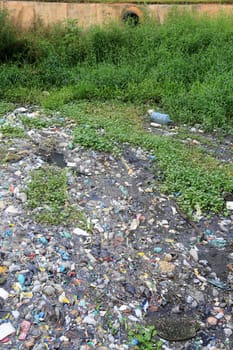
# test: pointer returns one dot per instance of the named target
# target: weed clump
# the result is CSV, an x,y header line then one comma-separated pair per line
x,y
48,198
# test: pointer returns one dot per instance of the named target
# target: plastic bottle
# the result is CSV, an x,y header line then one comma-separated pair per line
x,y
159,118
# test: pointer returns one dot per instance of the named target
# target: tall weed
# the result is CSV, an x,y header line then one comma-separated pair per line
x,y
184,67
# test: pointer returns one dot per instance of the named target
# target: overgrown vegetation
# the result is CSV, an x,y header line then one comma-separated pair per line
x,y
48,197
144,338
183,67
10,131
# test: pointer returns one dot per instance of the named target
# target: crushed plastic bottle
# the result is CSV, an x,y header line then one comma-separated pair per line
x,y
159,118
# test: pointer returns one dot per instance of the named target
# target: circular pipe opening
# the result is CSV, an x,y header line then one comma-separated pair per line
x,y
130,18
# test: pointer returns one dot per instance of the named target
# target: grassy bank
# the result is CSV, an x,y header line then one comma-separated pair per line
x,y
184,67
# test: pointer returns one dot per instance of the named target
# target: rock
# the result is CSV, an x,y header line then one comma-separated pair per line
x,y
2,205
166,267
89,319
49,290
22,197
176,329
20,110
12,210
194,254
212,321
30,343
228,332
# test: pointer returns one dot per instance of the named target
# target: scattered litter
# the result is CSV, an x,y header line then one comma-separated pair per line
x,y
218,283
24,329
159,118
229,205
6,329
126,254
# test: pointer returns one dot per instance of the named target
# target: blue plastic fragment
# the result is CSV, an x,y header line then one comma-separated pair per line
x,y
62,268
41,316
152,157
158,249
21,279
63,254
43,240
134,342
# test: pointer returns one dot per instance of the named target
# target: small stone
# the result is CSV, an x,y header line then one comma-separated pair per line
x,y
228,332
12,210
30,343
64,339
168,257
155,125
176,329
2,205
166,267
3,294
20,110
89,320
193,129
71,164
219,315
14,268
189,299
22,197
212,321
194,304
3,279
15,314
194,254
78,231
49,290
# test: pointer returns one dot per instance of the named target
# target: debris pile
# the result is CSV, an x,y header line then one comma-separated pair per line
x,y
134,260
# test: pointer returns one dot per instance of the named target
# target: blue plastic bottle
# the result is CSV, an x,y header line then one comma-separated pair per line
x,y
159,118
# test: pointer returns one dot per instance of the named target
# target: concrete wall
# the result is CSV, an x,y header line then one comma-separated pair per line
x,y
25,13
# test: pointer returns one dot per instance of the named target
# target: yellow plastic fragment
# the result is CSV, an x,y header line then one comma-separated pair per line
x,y
17,287
26,295
130,171
141,253
63,299
169,240
3,269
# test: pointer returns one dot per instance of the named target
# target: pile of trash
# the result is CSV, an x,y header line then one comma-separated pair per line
x,y
139,261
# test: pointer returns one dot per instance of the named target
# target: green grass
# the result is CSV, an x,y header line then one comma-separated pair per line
x,y
10,131
144,338
48,197
183,67
5,107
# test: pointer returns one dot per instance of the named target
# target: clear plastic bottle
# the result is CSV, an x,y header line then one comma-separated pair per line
x,y
159,118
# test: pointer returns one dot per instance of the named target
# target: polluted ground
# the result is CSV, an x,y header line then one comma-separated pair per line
x,y
95,256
